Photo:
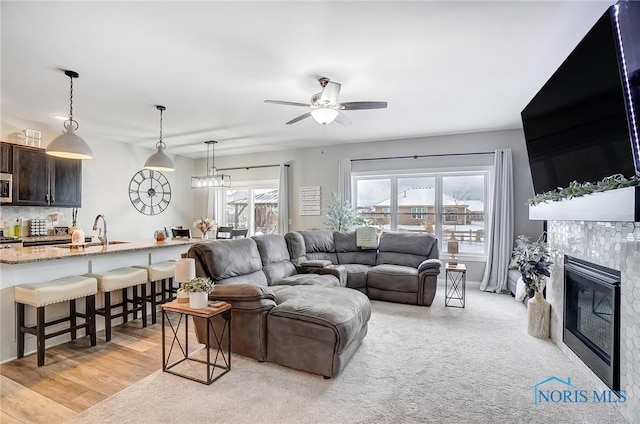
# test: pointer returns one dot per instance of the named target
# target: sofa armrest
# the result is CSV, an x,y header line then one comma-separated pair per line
x,y
244,296
338,271
430,266
318,263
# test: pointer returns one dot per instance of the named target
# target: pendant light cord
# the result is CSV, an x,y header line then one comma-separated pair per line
x,y
160,145
71,121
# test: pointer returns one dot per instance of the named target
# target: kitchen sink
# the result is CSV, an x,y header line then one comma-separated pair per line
x,y
93,243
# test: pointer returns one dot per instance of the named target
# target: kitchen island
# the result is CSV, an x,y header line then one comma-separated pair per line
x,y
20,265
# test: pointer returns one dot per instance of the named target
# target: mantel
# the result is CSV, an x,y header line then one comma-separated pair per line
x,y
622,204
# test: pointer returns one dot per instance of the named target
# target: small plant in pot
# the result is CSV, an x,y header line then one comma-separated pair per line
x,y
198,289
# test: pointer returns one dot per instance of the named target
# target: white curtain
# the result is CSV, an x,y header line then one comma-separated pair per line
x,y
215,207
283,200
344,179
500,232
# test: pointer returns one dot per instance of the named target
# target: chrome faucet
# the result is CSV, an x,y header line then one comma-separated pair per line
x,y
102,237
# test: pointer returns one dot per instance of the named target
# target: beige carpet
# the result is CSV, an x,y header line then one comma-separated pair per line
x,y
416,365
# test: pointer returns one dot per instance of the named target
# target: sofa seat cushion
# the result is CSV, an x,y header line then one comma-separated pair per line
x,y
356,275
303,311
393,277
327,280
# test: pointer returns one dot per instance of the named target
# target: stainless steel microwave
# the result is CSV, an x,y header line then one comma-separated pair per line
x,y
6,182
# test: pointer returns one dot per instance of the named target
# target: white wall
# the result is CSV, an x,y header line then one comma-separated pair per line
x,y
319,166
105,191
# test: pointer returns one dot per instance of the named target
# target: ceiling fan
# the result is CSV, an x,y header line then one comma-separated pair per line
x,y
325,107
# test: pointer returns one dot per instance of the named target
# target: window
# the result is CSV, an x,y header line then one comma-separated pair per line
x,y
418,213
450,205
254,207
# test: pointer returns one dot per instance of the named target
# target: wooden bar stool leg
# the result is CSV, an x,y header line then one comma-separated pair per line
x,y
72,318
134,297
20,331
90,316
40,335
107,316
143,301
125,306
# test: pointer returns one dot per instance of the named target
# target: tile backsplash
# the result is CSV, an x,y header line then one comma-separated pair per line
x,y
10,214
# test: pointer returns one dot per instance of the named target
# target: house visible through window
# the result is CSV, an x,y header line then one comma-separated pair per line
x,y
450,205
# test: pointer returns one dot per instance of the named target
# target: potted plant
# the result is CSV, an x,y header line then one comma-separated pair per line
x,y
534,263
74,221
198,289
204,225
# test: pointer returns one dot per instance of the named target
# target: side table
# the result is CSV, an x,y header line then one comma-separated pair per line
x,y
455,282
221,360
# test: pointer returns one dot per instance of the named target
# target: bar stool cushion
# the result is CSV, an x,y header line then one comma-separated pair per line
x,y
55,291
119,278
159,271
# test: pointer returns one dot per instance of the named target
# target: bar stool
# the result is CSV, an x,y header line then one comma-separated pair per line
x,y
162,272
39,295
121,279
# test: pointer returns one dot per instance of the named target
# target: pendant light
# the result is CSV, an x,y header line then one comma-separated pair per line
x,y
69,145
212,179
159,161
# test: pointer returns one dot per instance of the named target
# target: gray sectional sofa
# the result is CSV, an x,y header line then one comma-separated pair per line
x,y
293,298
403,269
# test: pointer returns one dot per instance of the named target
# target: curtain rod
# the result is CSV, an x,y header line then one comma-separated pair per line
x,y
424,156
251,167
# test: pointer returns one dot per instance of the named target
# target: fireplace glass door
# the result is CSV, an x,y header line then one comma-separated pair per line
x,y
592,317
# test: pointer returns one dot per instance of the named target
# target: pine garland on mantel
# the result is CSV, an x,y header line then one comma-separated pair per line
x,y
577,189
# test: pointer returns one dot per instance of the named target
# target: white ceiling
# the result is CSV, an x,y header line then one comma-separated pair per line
x,y
443,67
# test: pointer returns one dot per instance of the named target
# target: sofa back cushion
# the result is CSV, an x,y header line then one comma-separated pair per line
x,y
349,253
229,261
319,245
275,257
407,249
296,247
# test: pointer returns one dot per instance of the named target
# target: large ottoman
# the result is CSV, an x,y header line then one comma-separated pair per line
x,y
316,329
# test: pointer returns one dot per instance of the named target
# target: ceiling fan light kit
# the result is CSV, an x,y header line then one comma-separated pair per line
x,y
70,145
159,161
325,107
324,115
212,179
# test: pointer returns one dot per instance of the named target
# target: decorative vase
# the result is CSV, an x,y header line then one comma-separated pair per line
x,y
538,316
198,300
72,229
205,235
78,236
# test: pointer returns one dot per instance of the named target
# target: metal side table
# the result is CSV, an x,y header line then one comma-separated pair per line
x,y
455,282
218,359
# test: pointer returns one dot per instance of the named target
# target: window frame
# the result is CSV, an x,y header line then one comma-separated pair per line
x,y
250,186
485,171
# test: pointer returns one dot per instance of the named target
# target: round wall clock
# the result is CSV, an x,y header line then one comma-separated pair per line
x,y
150,192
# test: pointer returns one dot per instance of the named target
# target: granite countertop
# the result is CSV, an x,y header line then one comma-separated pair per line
x,y
16,254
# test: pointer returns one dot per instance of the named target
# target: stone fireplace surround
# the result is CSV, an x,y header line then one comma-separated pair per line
x,y
615,245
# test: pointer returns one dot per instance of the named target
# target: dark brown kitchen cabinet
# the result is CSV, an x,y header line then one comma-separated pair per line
x,y
41,180
6,164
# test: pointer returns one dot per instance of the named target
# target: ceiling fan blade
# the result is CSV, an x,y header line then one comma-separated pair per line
x,y
330,93
342,119
362,105
299,118
282,102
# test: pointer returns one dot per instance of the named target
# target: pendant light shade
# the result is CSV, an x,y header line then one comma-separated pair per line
x,y
69,145
159,161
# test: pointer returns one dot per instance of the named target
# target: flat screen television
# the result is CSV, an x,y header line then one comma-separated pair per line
x,y
579,126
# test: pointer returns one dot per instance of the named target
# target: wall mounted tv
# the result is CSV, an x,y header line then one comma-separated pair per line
x,y
582,124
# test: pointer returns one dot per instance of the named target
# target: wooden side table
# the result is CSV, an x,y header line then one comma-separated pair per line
x,y
220,362
455,282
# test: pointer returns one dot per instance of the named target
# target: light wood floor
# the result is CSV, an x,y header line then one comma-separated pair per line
x,y
77,376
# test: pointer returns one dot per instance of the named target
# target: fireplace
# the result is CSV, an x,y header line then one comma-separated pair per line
x,y
592,317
